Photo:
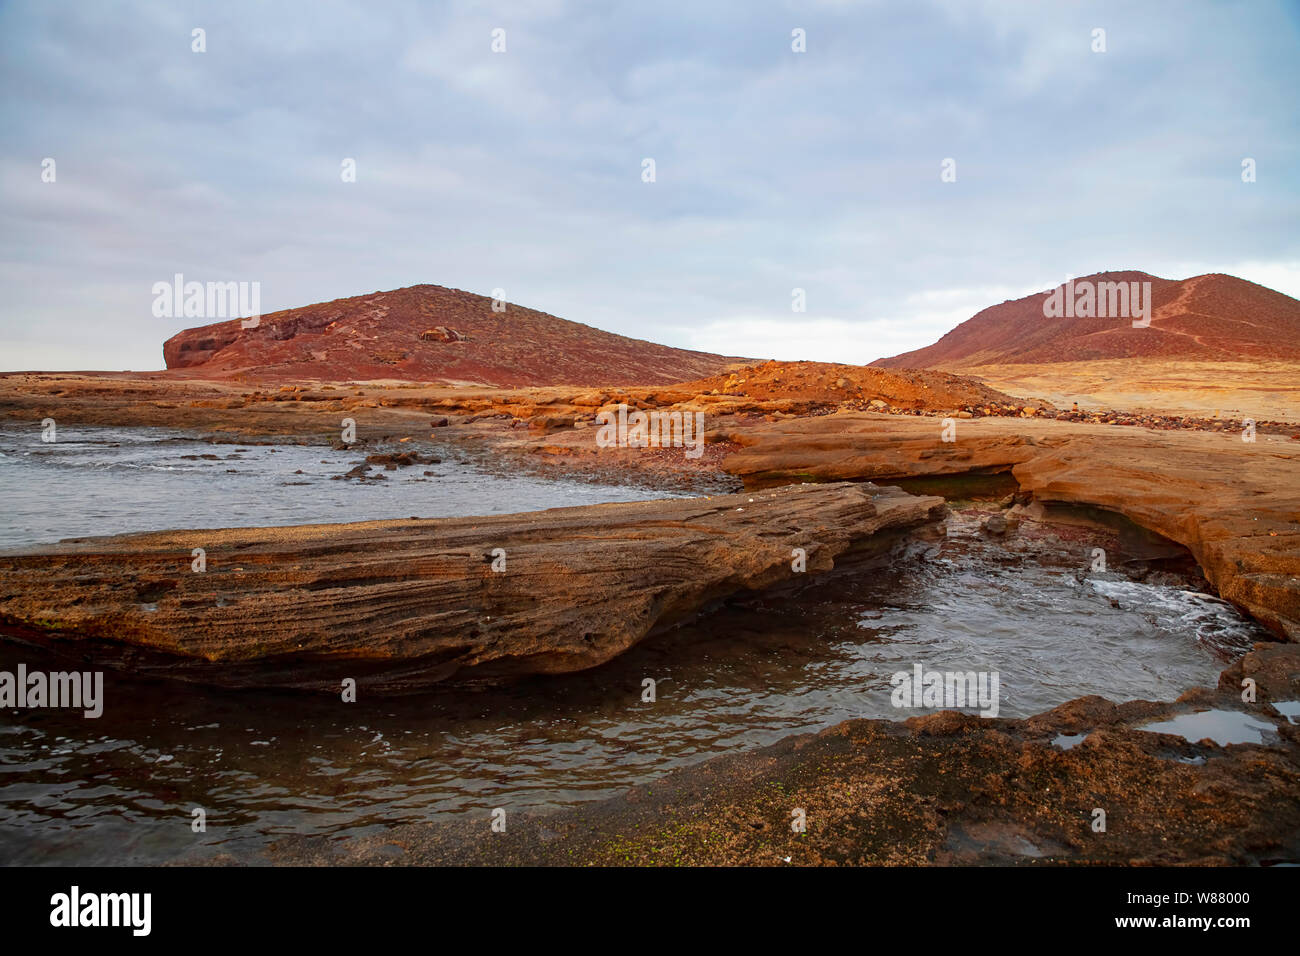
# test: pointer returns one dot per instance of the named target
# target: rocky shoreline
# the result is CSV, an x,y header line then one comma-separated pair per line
x,y
943,788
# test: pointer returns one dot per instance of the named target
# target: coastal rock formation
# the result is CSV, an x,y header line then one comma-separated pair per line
x,y
1234,505
402,605
428,333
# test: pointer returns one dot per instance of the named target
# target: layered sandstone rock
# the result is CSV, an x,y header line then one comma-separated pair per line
x,y
1235,505
402,605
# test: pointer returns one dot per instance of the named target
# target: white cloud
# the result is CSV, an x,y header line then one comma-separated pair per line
x,y
522,170
826,339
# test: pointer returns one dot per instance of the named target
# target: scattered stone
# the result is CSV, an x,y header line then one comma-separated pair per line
x,y
995,524
360,471
393,461
550,423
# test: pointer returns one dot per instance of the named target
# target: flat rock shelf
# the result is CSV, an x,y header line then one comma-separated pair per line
x,y
402,605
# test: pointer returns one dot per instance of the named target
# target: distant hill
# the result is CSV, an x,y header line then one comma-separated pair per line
x,y
1211,317
429,333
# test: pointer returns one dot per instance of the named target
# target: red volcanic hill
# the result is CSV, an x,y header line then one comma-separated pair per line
x,y
430,334
1211,317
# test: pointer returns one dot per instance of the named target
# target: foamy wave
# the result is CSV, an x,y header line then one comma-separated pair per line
x,y
1216,622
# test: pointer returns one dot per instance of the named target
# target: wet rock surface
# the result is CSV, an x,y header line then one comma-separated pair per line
x,y
943,788
402,605
1234,505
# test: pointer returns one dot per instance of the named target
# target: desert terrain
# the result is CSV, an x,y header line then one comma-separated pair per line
x,y
1258,389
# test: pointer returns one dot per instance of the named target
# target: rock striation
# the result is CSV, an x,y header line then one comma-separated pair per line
x,y
402,605
1234,505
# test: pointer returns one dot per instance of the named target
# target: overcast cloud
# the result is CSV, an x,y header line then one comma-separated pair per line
x,y
522,170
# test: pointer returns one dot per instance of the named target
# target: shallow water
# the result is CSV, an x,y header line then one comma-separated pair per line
x,y
1222,726
95,481
1290,709
122,788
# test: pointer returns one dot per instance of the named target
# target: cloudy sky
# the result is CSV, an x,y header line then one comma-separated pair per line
x,y
522,170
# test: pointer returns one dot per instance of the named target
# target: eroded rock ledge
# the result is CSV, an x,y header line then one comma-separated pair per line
x,y
402,605
1235,505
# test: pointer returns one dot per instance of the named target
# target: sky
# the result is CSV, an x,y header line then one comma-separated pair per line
x,y
523,170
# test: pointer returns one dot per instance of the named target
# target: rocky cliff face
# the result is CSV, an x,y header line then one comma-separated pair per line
x,y
1209,317
431,334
